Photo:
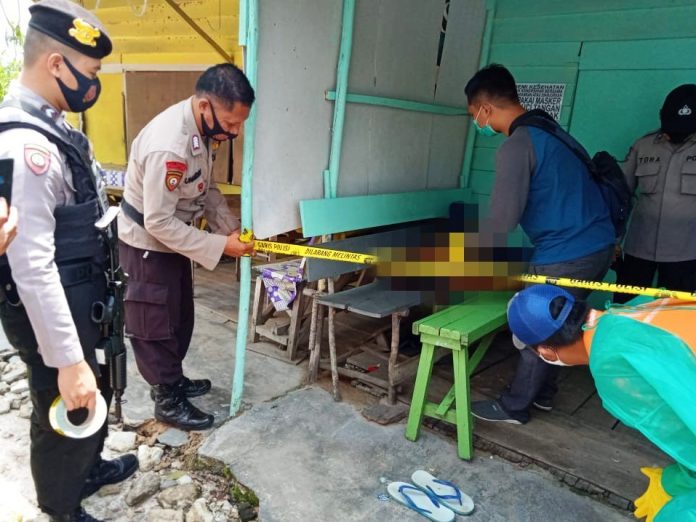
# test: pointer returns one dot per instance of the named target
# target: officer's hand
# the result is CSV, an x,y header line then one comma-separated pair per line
x,y
77,386
8,225
234,247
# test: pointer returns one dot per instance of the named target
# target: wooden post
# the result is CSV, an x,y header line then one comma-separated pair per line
x,y
248,169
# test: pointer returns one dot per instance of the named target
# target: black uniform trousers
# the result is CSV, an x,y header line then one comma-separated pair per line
x,y
158,311
636,271
59,465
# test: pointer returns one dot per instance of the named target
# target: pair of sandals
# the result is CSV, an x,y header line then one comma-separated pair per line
x,y
435,499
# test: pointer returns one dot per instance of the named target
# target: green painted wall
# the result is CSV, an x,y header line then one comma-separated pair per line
x,y
618,60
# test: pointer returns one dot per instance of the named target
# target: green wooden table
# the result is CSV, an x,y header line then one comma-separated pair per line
x,y
456,328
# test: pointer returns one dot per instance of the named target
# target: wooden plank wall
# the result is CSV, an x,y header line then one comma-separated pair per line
x,y
544,40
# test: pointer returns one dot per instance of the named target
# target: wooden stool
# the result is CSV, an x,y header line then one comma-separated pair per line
x,y
455,328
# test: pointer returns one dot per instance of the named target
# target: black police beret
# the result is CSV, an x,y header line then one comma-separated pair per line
x,y
72,25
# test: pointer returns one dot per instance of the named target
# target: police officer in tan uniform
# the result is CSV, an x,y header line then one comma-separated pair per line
x,y
58,258
169,188
661,237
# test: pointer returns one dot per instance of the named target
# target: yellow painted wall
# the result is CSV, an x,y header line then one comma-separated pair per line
x,y
105,122
161,39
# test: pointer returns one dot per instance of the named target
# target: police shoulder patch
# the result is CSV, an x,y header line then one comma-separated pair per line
x,y
175,171
37,158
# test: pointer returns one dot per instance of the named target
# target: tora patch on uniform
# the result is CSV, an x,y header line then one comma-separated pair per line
x,y
175,171
37,158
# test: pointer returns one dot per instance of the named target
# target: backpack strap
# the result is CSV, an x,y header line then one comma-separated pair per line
x,y
541,120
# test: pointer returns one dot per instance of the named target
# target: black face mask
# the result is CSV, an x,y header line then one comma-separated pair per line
x,y
678,137
86,94
216,129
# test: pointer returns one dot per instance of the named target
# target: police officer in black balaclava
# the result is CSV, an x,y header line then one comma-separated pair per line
x,y
661,237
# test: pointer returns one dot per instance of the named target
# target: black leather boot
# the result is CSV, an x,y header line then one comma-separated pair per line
x,y
79,515
195,387
172,407
192,387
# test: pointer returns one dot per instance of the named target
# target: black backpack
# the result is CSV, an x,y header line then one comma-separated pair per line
x,y
603,168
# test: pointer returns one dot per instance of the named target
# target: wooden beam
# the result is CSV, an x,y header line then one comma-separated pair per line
x,y
330,216
395,103
200,31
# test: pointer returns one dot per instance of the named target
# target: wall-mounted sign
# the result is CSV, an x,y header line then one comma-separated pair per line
x,y
546,96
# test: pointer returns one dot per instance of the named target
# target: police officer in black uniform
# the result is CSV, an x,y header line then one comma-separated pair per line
x,y
54,270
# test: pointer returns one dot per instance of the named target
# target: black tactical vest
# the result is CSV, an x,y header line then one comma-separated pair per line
x,y
81,253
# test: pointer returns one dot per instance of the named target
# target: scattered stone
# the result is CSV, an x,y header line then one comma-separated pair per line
x,y
199,512
173,437
167,483
15,400
15,360
110,490
175,475
5,405
176,464
142,488
182,481
3,365
121,441
246,512
19,386
229,511
149,457
25,411
118,505
4,387
14,374
165,515
178,496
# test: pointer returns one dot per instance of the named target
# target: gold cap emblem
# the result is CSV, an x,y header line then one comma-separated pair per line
x,y
84,32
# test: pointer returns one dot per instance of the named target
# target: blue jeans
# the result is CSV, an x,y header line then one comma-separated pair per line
x,y
534,379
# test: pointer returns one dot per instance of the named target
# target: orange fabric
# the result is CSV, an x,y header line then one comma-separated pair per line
x,y
671,315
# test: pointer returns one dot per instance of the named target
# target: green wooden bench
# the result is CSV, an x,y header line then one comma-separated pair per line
x,y
455,328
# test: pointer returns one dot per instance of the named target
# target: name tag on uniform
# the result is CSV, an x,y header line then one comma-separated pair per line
x,y
194,177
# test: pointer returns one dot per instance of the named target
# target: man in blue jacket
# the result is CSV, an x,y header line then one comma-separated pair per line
x,y
541,185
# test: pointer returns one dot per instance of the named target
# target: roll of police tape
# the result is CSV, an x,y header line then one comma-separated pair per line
x,y
308,251
606,287
61,424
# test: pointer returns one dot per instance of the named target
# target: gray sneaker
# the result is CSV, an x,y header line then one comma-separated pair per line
x,y
492,411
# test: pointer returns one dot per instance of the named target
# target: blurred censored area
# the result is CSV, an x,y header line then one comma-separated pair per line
x,y
446,259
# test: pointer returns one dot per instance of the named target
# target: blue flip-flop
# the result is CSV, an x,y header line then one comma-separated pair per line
x,y
444,492
419,501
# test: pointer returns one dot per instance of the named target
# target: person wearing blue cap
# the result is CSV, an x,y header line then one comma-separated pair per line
x,y
58,259
642,357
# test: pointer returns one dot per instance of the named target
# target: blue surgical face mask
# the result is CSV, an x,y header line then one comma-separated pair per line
x,y
86,93
486,130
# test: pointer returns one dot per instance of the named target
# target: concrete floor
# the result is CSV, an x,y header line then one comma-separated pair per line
x,y
309,458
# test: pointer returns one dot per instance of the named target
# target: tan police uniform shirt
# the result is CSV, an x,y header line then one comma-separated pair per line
x,y
663,221
169,180
41,182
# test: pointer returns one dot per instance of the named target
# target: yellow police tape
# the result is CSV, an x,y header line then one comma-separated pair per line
x,y
308,251
606,287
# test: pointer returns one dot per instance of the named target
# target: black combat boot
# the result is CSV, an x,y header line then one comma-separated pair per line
x,y
79,515
172,407
195,387
192,387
